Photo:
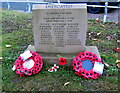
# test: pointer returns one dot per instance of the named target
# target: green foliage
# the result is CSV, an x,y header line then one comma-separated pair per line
x,y
17,32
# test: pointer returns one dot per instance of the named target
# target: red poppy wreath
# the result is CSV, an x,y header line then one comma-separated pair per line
x,y
29,66
83,65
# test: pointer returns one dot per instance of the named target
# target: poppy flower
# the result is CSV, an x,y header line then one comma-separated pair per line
x,y
51,70
62,61
55,67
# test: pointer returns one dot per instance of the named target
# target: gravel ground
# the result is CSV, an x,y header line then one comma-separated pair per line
x,y
113,16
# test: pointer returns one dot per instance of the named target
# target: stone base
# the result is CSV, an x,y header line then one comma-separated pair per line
x,y
51,58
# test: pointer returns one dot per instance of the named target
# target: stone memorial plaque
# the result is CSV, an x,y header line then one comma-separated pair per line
x,y
60,28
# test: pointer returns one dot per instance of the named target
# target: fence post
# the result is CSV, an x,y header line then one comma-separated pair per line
x,y
8,5
28,7
58,1
105,12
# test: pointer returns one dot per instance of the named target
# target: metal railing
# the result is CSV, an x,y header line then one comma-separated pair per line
x,y
41,1
106,9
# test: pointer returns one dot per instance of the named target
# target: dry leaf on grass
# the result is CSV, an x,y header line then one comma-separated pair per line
x,y
116,55
99,40
102,25
97,20
95,39
109,37
117,50
8,45
118,41
118,65
98,33
67,83
1,58
107,65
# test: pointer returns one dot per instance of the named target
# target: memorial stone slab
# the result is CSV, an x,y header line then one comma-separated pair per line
x,y
52,58
60,28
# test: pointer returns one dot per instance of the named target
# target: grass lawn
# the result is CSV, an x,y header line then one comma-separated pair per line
x,y
17,32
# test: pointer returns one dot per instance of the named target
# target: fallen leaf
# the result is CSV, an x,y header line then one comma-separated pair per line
x,y
117,50
89,34
67,83
8,45
98,33
116,23
1,58
106,64
107,75
99,40
109,37
118,41
102,25
118,65
97,20
18,52
13,68
117,61
115,55
95,39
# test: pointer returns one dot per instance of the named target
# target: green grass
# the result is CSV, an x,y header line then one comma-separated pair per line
x,y
0,52
17,31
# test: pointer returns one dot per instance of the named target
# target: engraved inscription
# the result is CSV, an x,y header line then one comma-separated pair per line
x,y
45,36
62,26
58,6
